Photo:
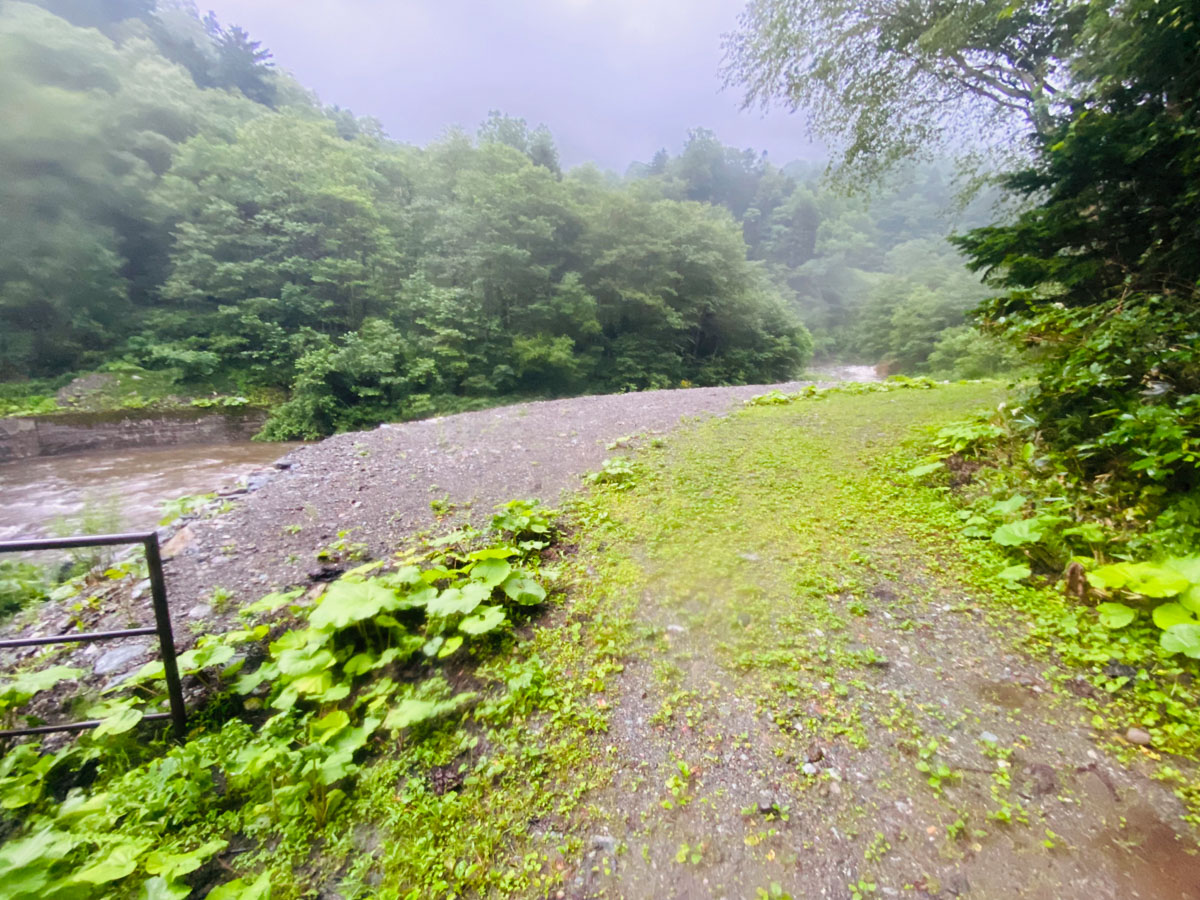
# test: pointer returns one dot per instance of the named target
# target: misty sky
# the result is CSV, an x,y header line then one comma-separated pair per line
x,y
613,79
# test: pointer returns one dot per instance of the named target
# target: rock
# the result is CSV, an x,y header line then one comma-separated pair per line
x,y
989,738
743,619
605,843
750,557
1116,669
200,611
809,769
117,659
180,541
815,753
766,804
1138,736
676,629
256,481
326,572
81,387
1042,779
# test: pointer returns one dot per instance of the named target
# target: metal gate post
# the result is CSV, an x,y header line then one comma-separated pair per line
x,y
166,637
162,626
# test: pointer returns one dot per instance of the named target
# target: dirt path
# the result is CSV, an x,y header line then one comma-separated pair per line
x,y
824,704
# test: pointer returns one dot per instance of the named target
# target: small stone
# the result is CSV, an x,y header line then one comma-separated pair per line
x,y
200,611
676,629
1138,736
326,572
605,843
766,804
1116,669
989,738
809,769
114,660
815,753
1042,779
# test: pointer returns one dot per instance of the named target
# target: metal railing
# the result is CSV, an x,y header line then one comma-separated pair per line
x,y
162,626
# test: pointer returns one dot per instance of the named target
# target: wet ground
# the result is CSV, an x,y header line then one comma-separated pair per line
x,y
822,706
119,491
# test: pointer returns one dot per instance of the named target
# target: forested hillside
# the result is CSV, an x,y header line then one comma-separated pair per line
x,y
872,277
179,208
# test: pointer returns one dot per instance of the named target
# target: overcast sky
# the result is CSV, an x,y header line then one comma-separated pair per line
x,y
614,80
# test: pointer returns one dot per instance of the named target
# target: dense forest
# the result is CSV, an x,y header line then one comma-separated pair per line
x,y
176,206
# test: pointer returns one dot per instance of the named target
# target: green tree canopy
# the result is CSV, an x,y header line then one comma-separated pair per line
x,y
886,80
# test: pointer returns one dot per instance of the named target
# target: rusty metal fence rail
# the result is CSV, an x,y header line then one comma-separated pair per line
x,y
162,625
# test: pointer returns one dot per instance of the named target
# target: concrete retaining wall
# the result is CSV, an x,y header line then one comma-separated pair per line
x,y
61,433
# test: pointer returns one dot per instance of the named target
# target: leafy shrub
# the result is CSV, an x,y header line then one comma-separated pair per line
x,y
21,583
617,471
1175,581
336,676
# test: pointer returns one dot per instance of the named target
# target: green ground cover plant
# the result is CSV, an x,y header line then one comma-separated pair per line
x,y
402,666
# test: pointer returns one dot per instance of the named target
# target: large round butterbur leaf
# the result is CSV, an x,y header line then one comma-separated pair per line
x,y
241,889
1191,598
1115,615
491,572
1147,579
459,600
1189,568
1014,573
1168,614
112,864
486,619
1008,507
348,602
31,683
121,721
412,710
1017,534
924,469
522,589
1183,639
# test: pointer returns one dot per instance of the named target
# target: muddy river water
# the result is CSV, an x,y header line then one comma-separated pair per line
x,y
121,490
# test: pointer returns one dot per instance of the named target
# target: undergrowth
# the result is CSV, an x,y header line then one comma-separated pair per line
x,y
394,736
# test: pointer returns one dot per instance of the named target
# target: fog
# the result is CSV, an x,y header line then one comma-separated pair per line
x,y
613,79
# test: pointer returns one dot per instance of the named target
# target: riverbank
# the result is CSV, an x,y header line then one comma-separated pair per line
x,y
69,433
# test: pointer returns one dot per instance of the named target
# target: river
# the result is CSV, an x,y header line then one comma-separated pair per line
x,y
837,372
121,490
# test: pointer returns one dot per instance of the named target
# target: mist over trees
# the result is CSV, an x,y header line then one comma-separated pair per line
x,y
874,279
175,202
